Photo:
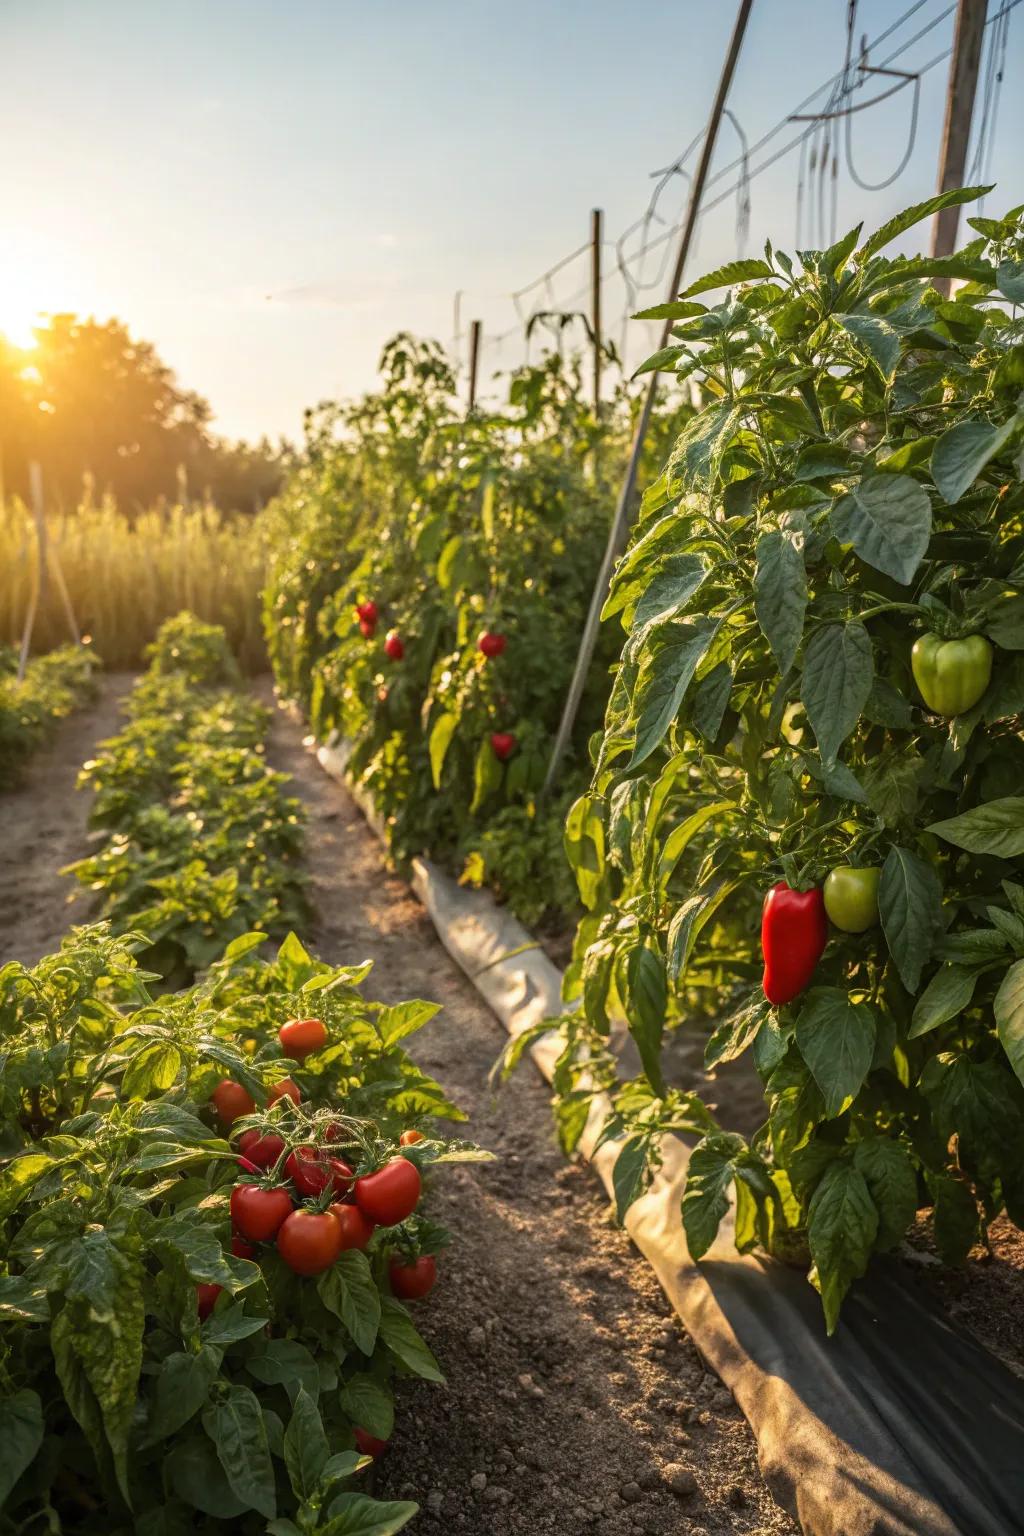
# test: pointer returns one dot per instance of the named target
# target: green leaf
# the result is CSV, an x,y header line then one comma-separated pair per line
x,y
235,1425
780,593
404,1019
910,906
954,1219
23,1301
711,700
286,1363
709,1177
486,774
665,674
961,454
680,836
443,730
195,1475
294,963
842,1224
726,276
18,1178
875,336
349,1291
888,520
889,1174
21,1435
669,590
836,1038
182,1387
1010,280
629,1174
946,995
153,1069
675,309
685,927
353,1514
996,828
665,357
305,1446
911,216
838,671
646,1002
1009,1013
369,1404
401,1338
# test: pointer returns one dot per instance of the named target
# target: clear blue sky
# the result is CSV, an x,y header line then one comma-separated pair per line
x,y
175,164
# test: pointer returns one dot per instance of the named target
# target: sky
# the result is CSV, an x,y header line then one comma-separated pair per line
x,y
269,189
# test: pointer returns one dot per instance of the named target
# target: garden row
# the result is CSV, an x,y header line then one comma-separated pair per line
x,y
209,1197
32,707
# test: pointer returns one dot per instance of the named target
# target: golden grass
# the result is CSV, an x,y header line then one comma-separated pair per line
x,y
125,575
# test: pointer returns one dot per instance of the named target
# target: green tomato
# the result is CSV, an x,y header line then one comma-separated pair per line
x,y
851,897
951,674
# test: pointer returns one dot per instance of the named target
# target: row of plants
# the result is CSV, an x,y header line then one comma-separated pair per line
x,y
53,686
125,570
201,841
209,1217
429,574
804,836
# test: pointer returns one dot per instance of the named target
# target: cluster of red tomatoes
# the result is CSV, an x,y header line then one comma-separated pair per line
x,y
490,644
308,1201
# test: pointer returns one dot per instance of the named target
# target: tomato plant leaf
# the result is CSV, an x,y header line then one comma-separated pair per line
x,y
672,659
727,276
995,827
369,1404
629,1174
838,672
1010,280
441,734
780,593
401,1338
668,591
404,1019
235,1425
910,907
890,1176
348,1290
305,1446
1009,1013
646,1000
353,1514
842,1223
875,336
182,1387
961,453
946,995
888,520
836,1038
709,1178
21,1435
911,216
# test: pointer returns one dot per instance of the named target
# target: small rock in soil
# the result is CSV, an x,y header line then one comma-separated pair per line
x,y
478,1482
680,1479
631,1493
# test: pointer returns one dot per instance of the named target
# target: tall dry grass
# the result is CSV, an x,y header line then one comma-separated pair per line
x,y
125,575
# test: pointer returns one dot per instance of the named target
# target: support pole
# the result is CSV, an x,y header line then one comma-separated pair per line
x,y
35,476
956,132
474,362
623,512
596,235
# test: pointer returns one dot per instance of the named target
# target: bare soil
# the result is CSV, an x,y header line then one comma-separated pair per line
x,y
43,827
574,1400
986,1295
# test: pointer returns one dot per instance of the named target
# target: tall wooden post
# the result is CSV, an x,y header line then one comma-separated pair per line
x,y
956,131
596,233
474,361
35,477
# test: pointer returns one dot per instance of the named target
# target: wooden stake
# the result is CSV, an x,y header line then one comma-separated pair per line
x,y
474,361
956,131
596,232
35,477
623,511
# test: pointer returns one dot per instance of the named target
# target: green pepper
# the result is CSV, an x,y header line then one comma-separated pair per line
x,y
851,897
951,674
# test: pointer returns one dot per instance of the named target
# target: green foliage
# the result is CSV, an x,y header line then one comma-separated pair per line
x,y
52,687
855,482
203,843
451,526
123,1410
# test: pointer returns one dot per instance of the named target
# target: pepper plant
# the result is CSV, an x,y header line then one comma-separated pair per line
x,y
819,697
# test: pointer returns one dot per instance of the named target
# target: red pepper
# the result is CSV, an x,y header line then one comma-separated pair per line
x,y
794,931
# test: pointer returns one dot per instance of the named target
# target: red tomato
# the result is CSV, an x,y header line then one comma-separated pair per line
x,y
411,1281
367,629
503,744
391,1194
334,1131
309,1241
368,612
300,1037
356,1231
410,1138
490,644
257,1212
261,1149
311,1171
394,649
206,1299
231,1101
369,1445
240,1248
285,1089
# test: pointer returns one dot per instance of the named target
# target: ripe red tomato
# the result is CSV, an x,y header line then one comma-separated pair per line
x,y
368,612
257,1212
391,1194
410,1138
367,628
356,1231
261,1149
206,1299
309,1241
503,744
231,1101
490,644
394,649
240,1248
285,1089
312,1171
369,1445
300,1037
411,1281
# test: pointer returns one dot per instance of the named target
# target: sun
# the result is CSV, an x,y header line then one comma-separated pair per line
x,y
21,306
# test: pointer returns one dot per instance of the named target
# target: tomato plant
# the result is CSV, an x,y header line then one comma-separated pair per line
x,y
53,686
822,686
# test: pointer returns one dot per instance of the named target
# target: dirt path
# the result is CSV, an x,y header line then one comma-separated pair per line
x,y
43,827
574,1400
